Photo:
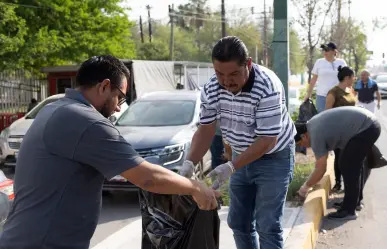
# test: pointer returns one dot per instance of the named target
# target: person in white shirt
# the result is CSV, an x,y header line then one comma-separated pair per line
x,y
324,73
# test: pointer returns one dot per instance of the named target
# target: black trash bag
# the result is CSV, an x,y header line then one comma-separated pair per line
x,y
307,111
375,159
176,222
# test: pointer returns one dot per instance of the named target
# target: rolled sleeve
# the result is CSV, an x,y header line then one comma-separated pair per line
x,y
102,147
208,110
315,68
269,115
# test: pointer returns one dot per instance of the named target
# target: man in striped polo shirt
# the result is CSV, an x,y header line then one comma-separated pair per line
x,y
249,102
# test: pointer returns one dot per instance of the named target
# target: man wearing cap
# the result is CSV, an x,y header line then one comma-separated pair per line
x,y
366,89
324,73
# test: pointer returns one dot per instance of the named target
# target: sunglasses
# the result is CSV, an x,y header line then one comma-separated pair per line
x,y
123,96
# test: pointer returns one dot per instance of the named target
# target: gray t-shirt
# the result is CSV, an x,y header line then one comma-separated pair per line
x,y
65,156
333,128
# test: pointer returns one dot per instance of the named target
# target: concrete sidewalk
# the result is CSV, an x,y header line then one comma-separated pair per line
x,y
130,236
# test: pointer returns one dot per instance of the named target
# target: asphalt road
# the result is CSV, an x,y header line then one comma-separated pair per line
x,y
369,231
118,210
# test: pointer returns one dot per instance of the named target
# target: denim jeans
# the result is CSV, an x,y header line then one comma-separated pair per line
x,y
217,150
320,103
257,199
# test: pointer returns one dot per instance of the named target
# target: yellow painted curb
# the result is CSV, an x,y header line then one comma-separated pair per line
x,y
306,228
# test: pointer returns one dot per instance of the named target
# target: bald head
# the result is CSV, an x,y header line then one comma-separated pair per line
x,y
364,75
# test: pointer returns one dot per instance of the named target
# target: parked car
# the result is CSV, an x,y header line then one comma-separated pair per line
x,y
294,99
12,137
381,80
160,127
6,198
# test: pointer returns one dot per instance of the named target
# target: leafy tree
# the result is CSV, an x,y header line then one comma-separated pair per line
x,y
69,31
310,12
297,55
12,32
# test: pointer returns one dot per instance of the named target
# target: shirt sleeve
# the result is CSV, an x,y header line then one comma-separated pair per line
x,y
315,68
269,113
318,146
375,86
101,146
208,99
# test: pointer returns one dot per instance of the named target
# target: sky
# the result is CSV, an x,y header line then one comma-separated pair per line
x,y
361,10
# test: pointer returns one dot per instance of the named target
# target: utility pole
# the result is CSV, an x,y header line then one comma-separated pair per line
x,y
141,31
172,38
349,10
223,19
264,34
148,7
339,4
280,43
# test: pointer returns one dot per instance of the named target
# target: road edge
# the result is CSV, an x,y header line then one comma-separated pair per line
x,y
304,233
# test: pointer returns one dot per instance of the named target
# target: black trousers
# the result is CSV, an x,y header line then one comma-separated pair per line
x,y
337,168
351,164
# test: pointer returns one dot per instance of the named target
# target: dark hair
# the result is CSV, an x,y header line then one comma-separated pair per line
x,y
301,129
98,68
33,100
344,72
230,48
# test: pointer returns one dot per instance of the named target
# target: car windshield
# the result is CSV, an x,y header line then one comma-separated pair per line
x,y
39,107
381,79
158,113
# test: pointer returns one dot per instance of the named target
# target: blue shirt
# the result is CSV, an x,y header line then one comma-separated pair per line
x,y
366,92
259,109
64,157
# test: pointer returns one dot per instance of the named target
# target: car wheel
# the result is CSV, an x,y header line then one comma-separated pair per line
x,y
199,171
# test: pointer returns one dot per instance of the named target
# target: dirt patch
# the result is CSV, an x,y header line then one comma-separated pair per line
x,y
305,159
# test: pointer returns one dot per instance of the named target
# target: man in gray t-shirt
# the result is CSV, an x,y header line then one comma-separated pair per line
x,y
66,154
353,130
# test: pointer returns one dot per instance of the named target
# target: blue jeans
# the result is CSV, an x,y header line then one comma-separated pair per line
x,y
257,199
320,103
217,150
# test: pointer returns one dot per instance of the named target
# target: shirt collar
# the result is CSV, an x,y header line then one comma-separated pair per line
x,y
250,82
77,96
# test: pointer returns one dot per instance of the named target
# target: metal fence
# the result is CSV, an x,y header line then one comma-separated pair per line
x,y
17,88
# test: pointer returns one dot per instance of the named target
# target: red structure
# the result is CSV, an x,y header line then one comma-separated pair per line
x,y
59,78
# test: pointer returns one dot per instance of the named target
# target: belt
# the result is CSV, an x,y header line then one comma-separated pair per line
x,y
367,102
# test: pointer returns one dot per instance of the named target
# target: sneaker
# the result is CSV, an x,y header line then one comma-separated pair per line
x,y
338,205
337,187
342,215
360,206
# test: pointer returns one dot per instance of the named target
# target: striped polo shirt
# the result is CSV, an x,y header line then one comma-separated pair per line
x,y
259,109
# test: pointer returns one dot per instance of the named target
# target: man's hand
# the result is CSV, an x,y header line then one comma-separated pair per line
x,y
205,197
187,169
221,174
303,191
306,98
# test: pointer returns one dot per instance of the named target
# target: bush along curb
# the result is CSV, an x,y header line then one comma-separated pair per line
x,y
304,233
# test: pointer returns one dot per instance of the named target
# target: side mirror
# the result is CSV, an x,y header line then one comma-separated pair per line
x,y
113,119
197,124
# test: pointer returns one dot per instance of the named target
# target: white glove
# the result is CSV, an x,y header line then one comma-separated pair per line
x,y
221,174
187,169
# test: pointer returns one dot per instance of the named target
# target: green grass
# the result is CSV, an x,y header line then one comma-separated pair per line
x,y
301,173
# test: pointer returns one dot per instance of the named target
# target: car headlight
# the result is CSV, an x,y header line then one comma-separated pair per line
x,y
5,133
171,154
